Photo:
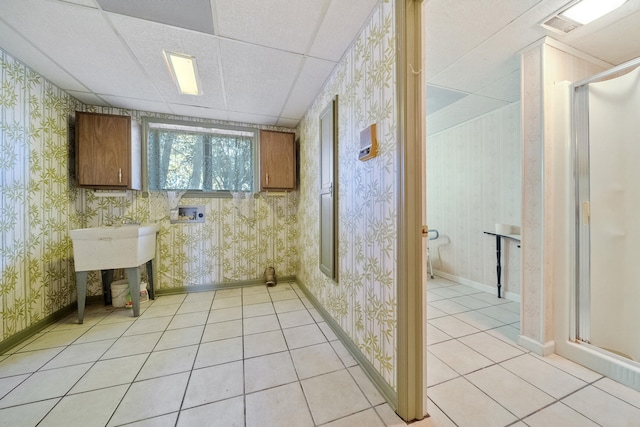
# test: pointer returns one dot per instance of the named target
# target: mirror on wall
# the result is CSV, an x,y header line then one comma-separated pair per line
x,y
329,190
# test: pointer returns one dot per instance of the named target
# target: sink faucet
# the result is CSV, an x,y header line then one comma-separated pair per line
x,y
129,221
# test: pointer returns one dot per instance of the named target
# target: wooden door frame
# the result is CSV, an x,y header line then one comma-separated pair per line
x,y
411,309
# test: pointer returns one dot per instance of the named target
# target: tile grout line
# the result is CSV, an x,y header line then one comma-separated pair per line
x,y
67,346
133,380
195,358
519,419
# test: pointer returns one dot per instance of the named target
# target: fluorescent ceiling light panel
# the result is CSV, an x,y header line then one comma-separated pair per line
x,y
589,10
184,71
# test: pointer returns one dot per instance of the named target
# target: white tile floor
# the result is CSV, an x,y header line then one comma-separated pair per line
x,y
478,376
264,357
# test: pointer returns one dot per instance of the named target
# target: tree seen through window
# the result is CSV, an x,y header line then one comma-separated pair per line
x,y
195,157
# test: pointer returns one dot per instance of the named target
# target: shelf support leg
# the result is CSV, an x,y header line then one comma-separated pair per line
x,y
498,266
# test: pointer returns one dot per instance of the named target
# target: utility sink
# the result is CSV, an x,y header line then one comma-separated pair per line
x,y
108,247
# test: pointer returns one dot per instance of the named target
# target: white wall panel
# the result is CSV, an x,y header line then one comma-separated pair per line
x,y
474,182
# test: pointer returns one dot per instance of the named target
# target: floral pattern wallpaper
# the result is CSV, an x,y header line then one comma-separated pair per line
x,y
237,241
474,179
363,301
37,201
40,204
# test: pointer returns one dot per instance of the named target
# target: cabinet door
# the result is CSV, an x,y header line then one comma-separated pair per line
x,y
277,161
103,151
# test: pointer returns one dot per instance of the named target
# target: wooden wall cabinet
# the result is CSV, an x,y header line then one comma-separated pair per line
x,y
108,152
277,161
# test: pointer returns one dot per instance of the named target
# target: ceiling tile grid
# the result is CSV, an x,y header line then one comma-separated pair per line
x,y
190,14
253,56
267,60
22,49
624,49
279,24
134,104
467,108
90,98
506,88
257,80
197,111
312,77
342,23
81,41
464,25
147,40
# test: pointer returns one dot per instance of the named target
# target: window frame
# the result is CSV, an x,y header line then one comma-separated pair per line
x,y
201,124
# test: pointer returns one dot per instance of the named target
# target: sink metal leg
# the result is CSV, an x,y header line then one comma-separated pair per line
x,y
150,276
133,276
107,278
81,290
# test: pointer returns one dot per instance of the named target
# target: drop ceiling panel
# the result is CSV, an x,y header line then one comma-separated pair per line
x,y
196,111
148,39
308,84
460,26
257,80
258,119
191,14
495,58
506,88
88,3
22,50
88,98
462,111
281,24
342,23
470,47
137,104
81,40
288,123
438,98
598,43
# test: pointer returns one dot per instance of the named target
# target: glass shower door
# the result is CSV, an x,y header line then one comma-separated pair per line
x,y
607,115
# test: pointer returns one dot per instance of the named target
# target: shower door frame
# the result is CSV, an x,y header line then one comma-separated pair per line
x,y
581,320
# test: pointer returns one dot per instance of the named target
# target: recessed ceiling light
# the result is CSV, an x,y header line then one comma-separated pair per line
x,y
587,11
184,72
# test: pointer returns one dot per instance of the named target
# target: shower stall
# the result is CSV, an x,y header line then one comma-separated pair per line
x,y
606,137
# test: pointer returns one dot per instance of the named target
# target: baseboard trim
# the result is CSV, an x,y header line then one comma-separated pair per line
x,y
542,349
29,331
219,286
511,296
381,384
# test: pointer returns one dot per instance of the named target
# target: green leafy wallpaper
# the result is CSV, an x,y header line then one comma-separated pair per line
x,y
37,203
364,300
237,241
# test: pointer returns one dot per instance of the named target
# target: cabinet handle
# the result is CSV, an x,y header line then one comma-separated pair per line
x,y
120,175
267,179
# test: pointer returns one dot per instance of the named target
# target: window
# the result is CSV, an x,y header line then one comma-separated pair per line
x,y
199,157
